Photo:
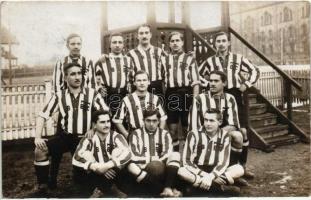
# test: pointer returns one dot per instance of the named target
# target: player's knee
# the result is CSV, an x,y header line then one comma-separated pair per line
x,y
236,139
174,159
41,154
182,172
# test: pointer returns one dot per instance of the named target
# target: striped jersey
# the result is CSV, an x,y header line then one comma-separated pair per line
x,y
180,70
146,146
88,72
132,108
116,71
148,61
225,103
75,112
95,150
201,150
232,66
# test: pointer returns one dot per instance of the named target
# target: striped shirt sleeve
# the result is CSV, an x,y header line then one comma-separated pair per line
x,y
122,145
99,103
223,158
58,76
253,71
121,113
137,148
195,77
193,118
161,110
233,116
83,155
91,75
167,146
50,107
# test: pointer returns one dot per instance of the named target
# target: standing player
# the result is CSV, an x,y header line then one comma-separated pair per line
x,y
134,104
154,164
233,65
103,156
182,83
74,44
115,69
75,105
216,98
206,157
148,58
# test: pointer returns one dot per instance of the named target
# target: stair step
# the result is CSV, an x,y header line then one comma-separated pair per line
x,y
272,131
257,108
262,120
252,98
283,140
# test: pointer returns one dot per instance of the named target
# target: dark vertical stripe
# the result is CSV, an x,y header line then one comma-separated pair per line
x,y
108,64
64,103
151,144
156,57
84,116
134,110
199,148
96,151
75,104
104,150
183,70
234,112
84,73
216,68
141,60
53,107
119,70
168,66
208,151
126,69
148,53
175,68
234,81
217,148
190,149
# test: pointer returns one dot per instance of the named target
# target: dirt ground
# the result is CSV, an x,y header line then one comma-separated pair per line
x,y
284,172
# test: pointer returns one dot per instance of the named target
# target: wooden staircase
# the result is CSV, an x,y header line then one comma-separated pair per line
x,y
267,126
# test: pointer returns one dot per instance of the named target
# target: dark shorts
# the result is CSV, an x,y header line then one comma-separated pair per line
x,y
239,100
156,87
178,102
114,98
61,143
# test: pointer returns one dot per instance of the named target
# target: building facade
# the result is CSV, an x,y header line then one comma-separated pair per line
x,y
280,30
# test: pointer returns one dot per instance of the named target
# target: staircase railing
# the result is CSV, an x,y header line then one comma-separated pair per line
x,y
288,81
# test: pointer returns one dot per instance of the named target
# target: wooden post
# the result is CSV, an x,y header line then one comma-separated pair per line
x,y
171,12
151,21
225,15
185,20
10,64
104,25
288,99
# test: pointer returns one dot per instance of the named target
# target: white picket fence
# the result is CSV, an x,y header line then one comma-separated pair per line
x,y
21,103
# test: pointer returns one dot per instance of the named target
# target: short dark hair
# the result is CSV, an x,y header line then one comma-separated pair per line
x,y
175,33
214,111
70,65
115,34
219,34
144,25
222,75
72,35
150,112
140,72
96,114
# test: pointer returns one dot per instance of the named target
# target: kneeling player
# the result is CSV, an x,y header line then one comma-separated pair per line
x,y
104,155
154,164
206,157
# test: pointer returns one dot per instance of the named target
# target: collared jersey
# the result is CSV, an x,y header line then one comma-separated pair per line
x,y
95,150
180,70
74,112
201,150
148,60
232,66
225,103
88,72
132,108
116,71
146,146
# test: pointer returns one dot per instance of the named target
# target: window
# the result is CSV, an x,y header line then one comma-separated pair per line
x,y
287,14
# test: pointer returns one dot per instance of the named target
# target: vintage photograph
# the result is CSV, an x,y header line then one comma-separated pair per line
x,y
155,99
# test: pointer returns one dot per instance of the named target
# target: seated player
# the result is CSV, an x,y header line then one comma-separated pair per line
x,y
154,164
102,156
206,158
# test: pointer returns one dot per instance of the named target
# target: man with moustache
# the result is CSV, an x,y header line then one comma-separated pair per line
x,y
147,57
102,157
74,45
116,72
182,84
75,105
134,104
233,65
